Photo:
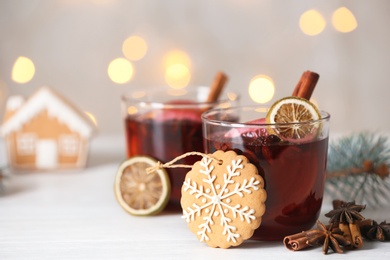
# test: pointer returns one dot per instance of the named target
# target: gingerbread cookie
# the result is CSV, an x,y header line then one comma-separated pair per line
x,y
223,199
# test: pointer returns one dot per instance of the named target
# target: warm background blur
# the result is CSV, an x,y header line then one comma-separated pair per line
x,y
92,51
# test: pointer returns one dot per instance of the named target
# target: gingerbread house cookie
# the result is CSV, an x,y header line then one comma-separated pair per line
x,y
45,132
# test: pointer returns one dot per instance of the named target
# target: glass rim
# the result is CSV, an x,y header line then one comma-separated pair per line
x,y
231,96
325,116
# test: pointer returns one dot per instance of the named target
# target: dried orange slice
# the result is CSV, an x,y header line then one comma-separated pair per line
x,y
296,118
139,193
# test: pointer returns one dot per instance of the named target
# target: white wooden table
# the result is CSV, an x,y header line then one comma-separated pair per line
x,y
74,215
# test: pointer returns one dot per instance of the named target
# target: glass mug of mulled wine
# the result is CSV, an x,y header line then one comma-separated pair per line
x,y
293,169
164,123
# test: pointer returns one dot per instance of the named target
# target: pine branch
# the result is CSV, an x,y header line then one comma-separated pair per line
x,y
358,168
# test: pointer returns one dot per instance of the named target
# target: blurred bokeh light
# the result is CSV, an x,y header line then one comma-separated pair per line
x,y
261,89
134,48
312,22
343,20
177,76
177,57
120,70
23,70
177,69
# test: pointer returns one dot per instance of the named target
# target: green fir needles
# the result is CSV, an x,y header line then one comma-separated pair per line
x,y
358,168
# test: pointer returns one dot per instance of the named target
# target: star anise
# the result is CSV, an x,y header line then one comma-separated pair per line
x,y
346,215
345,212
328,237
376,231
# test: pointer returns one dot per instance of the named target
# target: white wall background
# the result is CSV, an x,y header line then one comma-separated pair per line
x,y
71,43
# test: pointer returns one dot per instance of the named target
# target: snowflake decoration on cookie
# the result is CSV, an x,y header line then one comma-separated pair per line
x,y
223,202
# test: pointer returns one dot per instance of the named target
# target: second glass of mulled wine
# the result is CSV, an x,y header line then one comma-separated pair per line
x,y
293,169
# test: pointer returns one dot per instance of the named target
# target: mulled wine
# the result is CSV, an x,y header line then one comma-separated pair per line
x,y
165,124
166,139
293,171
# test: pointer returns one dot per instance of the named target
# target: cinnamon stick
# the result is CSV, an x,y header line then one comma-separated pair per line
x,y
306,85
217,86
352,233
356,236
296,242
347,233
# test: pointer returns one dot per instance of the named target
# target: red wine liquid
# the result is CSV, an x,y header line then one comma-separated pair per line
x,y
294,176
164,140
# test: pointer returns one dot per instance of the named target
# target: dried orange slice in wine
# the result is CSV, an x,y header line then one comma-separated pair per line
x,y
295,118
138,192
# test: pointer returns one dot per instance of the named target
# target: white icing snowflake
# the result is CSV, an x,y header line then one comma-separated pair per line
x,y
214,201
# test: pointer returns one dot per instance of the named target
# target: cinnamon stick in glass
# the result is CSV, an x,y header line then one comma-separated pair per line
x,y
306,85
217,86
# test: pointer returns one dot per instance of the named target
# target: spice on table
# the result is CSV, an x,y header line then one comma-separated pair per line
x,y
375,231
296,242
328,237
346,230
325,236
347,216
